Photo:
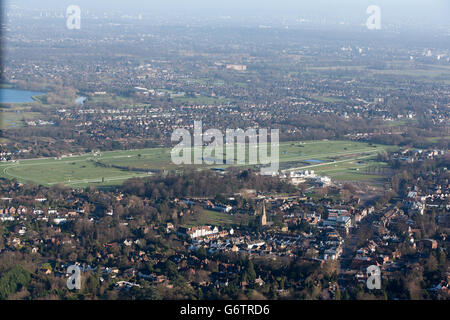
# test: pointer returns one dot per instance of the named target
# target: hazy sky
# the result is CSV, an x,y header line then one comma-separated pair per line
x,y
431,12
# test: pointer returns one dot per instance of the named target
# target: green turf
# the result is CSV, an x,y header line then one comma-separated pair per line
x,y
208,217
10,120
83,170
200,100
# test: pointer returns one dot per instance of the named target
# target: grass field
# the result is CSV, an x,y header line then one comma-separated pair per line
x,y
350,170
339,159
16,119
437,139
200,100
208,217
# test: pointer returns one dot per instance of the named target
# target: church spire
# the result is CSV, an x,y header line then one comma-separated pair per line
x,y
263,215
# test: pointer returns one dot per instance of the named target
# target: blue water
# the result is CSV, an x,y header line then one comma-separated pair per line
x,y
80,100
314,161
17,96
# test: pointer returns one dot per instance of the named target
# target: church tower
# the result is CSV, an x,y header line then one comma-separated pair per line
x,y
263,215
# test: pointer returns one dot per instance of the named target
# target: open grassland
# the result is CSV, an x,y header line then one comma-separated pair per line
x,y
209,217
362,169
199,100
16,119
344,160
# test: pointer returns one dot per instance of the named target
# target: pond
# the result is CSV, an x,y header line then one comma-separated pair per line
x,y
80,100
17,96
314,161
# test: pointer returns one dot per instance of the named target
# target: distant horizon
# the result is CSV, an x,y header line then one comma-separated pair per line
x,y
430,14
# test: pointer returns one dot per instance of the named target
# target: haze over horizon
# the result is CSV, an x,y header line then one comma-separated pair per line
x,y
430,14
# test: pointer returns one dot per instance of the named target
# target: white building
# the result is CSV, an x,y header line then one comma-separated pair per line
x,y
198,232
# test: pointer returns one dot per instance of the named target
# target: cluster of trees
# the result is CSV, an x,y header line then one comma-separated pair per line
x,y
13,281
203,184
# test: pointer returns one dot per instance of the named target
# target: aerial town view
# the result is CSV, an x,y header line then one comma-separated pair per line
x,y
240,150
